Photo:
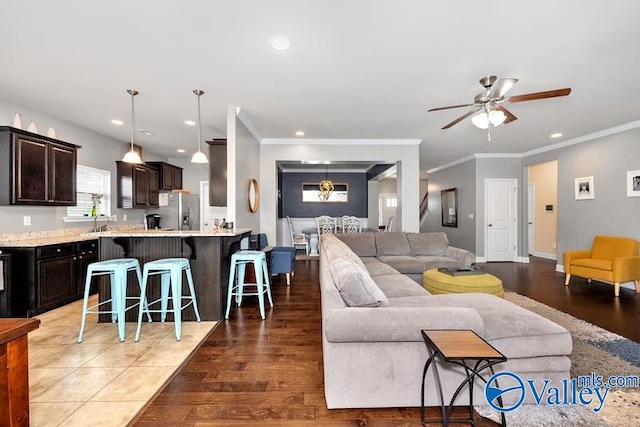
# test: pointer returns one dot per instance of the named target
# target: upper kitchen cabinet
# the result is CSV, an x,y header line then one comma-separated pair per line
x,y
217,172
170,175
137,186
36,170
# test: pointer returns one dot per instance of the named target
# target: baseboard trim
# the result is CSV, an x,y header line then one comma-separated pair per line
x,y
545,255
560,268
521,259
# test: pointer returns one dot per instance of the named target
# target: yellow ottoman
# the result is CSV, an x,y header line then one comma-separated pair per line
x,y
441,283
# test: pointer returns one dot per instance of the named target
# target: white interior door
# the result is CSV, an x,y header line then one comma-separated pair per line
x,y
531,218
501,219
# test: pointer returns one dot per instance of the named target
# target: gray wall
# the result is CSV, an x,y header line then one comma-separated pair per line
x,y
97,151
463,178
611,212
292,195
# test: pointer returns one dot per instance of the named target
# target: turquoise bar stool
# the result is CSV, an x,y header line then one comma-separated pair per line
x,y
171,271
117,270
239,261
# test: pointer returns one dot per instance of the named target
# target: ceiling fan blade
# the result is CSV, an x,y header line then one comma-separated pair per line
x,y
461,118
509,114
540,95
449,107
501,87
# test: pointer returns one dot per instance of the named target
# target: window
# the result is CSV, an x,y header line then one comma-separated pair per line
x,y
392,202
91,181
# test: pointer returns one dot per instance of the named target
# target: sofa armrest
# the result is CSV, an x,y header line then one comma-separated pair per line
x,y
626,268
396,324
461,255
569,256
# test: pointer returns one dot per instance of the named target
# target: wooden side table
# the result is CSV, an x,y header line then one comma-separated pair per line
x,y
14,371
464,348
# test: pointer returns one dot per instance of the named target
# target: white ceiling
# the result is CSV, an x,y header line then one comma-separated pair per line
x,y
356,69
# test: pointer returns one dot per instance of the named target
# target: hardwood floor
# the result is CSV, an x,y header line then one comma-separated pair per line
x,y
593,302
269,373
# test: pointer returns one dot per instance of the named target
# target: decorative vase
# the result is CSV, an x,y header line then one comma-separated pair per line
x,y
94,211
51,132
32,127
17,121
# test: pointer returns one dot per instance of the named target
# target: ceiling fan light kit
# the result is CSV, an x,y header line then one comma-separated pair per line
x,y
488,104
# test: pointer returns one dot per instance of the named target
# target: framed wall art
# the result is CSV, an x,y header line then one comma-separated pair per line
x,y
633,183
584,188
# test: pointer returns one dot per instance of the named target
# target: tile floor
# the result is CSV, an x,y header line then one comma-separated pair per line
x,y
101,382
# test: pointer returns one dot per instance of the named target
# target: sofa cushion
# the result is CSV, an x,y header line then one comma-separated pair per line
x,y
379,268
354,284
335,248
428,243
437,261
399,286
362,244
404,264
598,264
392,244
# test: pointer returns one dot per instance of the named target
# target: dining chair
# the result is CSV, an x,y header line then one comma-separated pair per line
x,y
389,224
298,239
351,224
326,224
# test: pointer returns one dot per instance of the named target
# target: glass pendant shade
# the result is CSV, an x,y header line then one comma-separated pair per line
x,y
483,120
199,156
132,155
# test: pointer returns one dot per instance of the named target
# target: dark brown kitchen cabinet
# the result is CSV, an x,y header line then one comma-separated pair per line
x,y
170,175
137,186
36,170
217,172
50,275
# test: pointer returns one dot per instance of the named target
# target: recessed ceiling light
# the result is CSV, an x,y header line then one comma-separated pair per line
x,y
280,43
556,135
180,150
189,123
300,133
117,122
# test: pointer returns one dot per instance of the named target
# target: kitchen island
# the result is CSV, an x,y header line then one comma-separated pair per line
x,y
209,254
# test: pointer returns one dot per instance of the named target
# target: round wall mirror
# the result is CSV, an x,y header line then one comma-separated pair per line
x,y
254,195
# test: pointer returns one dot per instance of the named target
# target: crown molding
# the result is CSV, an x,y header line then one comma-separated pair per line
x,y
325,141
584,138
580,139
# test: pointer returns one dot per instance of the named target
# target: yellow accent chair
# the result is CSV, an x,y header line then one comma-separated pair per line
x,y
612,259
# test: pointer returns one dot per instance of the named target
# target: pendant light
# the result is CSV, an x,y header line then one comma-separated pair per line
x,y
199,156
132,155
326,186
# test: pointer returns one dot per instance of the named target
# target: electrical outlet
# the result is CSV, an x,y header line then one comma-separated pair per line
x,y
124,217
26,220
471,215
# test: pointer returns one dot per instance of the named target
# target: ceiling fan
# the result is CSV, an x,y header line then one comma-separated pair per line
x,y
488,103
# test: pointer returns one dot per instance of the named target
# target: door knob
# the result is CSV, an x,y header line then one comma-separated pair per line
x,y
490,225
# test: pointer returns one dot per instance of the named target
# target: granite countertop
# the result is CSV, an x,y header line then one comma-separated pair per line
x,y
44,241
172,233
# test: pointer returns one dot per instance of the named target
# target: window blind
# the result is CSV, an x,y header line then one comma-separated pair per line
x,y
91,181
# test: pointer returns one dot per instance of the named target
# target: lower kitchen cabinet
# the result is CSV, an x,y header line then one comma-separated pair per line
x,y
51,276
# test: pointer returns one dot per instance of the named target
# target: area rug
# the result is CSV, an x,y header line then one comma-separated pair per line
x,y
595,350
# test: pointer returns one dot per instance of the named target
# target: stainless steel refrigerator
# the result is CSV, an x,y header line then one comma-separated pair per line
x,y
179,211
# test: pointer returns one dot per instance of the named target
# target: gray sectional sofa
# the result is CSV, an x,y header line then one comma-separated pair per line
x,y
372,315
408,253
